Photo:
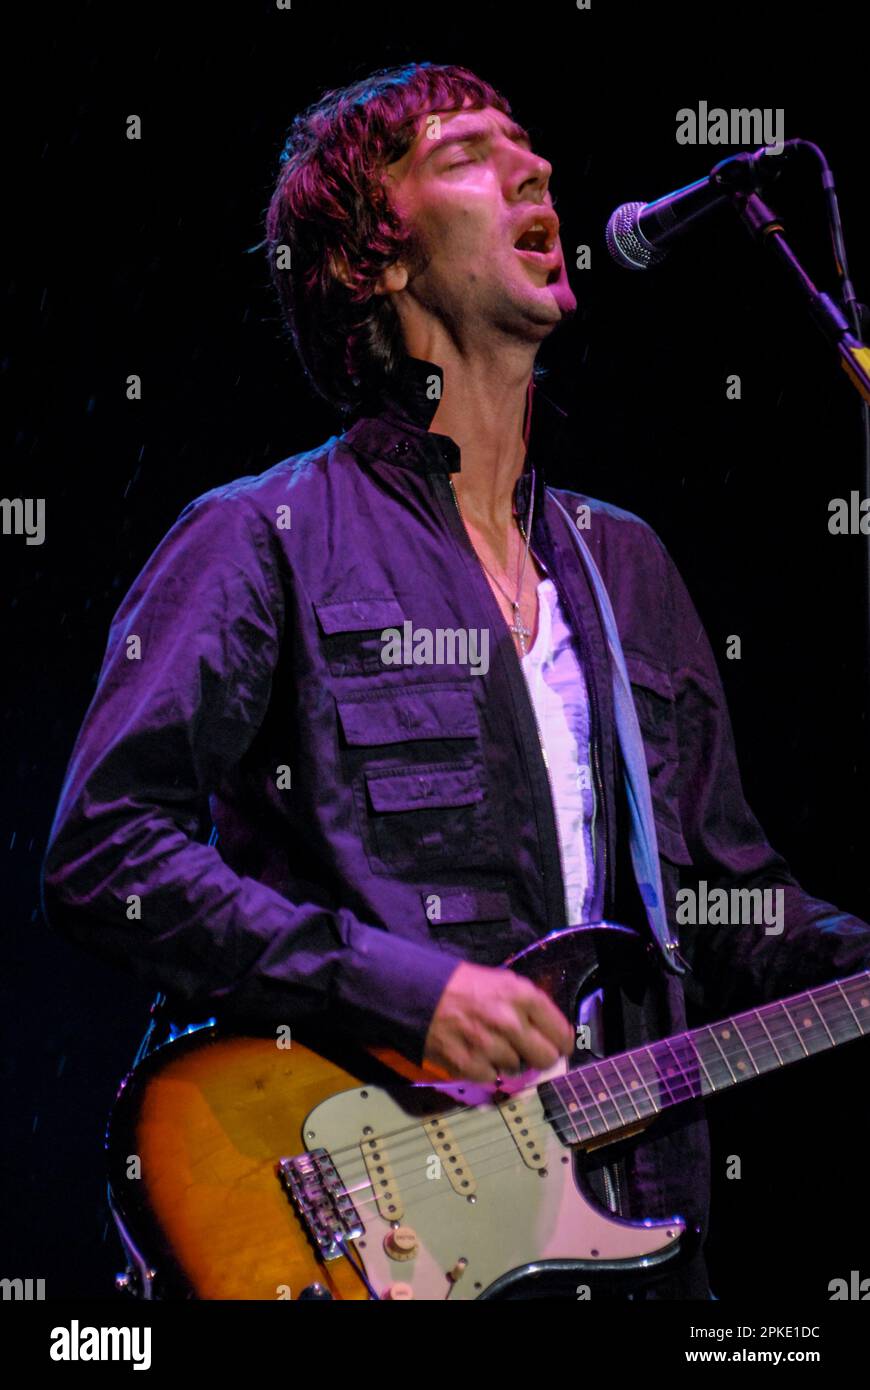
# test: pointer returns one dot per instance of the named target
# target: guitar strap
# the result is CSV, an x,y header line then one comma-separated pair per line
x,y
642,834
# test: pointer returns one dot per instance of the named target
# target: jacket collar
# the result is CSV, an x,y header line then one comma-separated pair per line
x,y
392,426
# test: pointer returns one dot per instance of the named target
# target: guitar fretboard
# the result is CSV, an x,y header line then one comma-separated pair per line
x,y
607,1095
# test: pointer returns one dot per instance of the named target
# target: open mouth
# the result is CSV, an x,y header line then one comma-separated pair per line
x,y
538,238
538,241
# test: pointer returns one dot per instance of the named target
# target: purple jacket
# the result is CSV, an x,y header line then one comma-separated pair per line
x,y
243,683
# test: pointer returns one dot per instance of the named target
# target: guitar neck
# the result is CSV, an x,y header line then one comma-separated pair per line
x,y
611,1094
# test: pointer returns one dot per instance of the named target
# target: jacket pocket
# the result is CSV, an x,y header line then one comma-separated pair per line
x,y
474,923
426,815
402,715
351,632
655,702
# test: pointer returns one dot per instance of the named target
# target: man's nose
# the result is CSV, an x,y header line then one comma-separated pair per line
x,y
532,176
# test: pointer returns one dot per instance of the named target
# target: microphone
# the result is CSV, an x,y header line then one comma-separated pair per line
x,y
638,233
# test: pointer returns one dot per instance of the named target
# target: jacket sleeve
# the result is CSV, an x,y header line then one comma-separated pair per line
x,y
183,689
744,963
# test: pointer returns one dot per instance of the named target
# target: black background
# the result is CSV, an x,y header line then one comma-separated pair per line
x,y
135,257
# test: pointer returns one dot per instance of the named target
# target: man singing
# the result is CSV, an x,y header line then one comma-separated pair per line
x,y
382,671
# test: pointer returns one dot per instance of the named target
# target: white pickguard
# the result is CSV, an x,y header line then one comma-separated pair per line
x,y
519,1216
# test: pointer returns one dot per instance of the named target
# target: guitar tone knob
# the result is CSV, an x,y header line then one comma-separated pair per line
x,y
402,1293
315,1291
401,1243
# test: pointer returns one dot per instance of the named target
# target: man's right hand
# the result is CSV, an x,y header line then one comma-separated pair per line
x,y
490,1022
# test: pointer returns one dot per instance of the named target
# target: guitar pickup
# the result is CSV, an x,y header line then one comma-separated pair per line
x,y
327,1213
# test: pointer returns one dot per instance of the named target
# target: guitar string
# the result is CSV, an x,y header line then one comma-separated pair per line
x,y
480,1164
672,1085
790,1031
502,1139
463,1118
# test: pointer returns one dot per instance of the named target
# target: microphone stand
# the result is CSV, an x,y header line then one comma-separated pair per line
x,y
854,354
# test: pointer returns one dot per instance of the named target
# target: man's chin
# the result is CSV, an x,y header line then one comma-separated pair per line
x,y
567,302
563,295
551,305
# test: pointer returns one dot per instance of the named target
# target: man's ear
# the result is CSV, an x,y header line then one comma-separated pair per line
x,y
391,280
339,267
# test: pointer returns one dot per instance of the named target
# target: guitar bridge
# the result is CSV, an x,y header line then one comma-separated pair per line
x,y
327,1213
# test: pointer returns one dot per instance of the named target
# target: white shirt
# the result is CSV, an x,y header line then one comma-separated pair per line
x,y
558,692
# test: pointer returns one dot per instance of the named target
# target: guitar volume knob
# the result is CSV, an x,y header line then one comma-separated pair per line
x,y
401,1243
399,1293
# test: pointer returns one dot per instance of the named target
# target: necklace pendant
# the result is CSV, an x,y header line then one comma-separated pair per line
x,y
518,627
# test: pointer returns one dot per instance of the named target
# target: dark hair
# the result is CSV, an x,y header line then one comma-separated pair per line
x,y
331,199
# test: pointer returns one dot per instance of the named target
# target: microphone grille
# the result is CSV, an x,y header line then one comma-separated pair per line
x,y
626,243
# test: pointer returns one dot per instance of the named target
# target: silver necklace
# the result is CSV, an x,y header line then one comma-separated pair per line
x,y
518,627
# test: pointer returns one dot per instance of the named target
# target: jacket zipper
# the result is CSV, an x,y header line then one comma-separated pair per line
x,y
599,792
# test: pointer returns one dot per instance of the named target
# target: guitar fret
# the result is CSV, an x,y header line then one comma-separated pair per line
x,y
659,1050
608,1062
580,1104
862,984
687,1067
851,1010
698,1041
611,1093
654,1052
809,1028
757,1041
570,1112
731,1076
845,1025
604,1098
575,1120
746,1048
779,1056
655,1108
647,1069
822,1017
786,1039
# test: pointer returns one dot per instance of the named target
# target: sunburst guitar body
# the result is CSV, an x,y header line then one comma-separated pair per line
x,y
268,1168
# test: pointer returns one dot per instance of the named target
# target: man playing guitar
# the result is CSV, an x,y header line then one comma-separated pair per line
x,y
388,833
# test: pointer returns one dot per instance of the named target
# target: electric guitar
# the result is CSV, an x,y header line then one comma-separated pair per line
x,y
243,1168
